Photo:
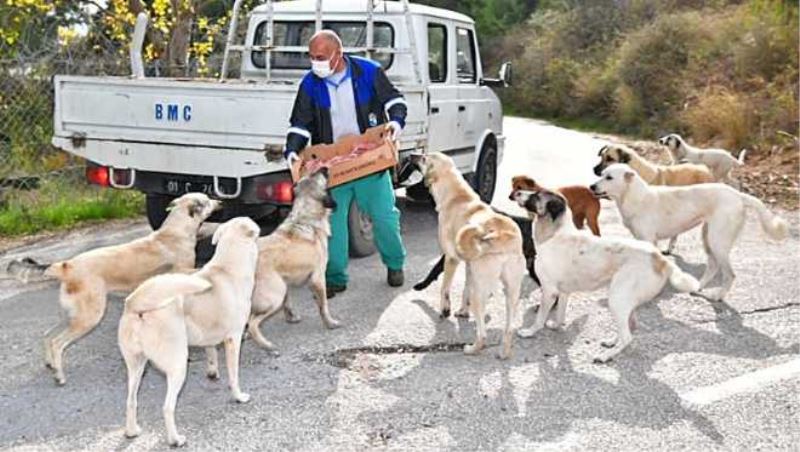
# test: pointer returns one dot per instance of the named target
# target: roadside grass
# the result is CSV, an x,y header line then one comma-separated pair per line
x,y
30,213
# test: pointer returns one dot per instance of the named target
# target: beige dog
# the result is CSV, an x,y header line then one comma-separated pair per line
x,y
655,213
87,278
295,254
570,261
681,174
489,243
169,313
720,161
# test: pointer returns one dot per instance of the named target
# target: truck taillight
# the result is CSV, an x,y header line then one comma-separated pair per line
x,y
280,192
97,175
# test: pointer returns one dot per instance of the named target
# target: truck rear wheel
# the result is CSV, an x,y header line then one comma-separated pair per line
x,y
486,174
359,226
156,206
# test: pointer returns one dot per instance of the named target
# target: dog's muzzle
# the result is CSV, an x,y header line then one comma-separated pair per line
x,y
598,169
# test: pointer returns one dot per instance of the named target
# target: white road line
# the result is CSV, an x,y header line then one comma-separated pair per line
x,y
751,382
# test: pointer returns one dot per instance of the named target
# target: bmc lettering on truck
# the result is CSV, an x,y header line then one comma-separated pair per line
x,y
173,112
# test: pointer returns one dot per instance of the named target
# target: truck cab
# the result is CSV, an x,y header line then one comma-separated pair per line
x,y
169,136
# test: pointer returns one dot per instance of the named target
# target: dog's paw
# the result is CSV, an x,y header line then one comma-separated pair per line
x,y
712,294
332,324
59,378
444,314
462,313
472,349
526,332
133,432
242,397
177,441
291,317
212,374
553,325
503,355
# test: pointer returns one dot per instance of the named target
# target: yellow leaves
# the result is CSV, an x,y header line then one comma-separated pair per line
x,y
66,35
41,6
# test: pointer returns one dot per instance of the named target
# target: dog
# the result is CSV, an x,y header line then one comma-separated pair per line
x,y
87,278
169,313
295,254
571,261
489,243
528,250
677,175
681,174
653,213
585,207
719,161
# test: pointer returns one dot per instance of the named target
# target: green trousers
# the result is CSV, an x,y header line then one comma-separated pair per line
x,y
374,195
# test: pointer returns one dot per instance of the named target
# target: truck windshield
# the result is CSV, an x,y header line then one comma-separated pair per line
x,y
353,34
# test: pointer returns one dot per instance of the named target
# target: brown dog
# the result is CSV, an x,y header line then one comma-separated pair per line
x,y
583,204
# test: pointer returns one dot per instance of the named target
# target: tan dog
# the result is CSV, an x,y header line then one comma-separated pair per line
x,y
680,174
719,161
169,313
489,243
295,254
674,175
87,278
585,207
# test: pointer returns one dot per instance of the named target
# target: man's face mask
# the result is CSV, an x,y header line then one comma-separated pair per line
x,y
322,69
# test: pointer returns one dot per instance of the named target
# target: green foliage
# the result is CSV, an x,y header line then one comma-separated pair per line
x,y
723,71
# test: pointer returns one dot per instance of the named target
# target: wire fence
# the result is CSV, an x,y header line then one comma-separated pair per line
x,y
38,182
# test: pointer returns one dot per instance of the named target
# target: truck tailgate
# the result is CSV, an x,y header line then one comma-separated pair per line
x,y
237,114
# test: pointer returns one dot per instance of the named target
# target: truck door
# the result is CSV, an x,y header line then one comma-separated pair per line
x,y
471,108
442,90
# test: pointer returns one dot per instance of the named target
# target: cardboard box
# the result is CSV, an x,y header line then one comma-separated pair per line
x,y
379,153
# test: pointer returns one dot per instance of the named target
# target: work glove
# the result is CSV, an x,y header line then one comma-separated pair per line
x,y
395,130
292,158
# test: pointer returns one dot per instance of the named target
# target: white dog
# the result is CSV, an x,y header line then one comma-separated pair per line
x,y
654,213
569,260
719,161
169,313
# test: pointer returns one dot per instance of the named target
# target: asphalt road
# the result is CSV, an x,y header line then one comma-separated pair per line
x,y
698,376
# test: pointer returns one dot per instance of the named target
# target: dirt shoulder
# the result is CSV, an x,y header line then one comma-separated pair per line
x,y
89,228
773,177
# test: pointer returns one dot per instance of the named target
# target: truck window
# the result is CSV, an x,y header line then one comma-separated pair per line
x,y
465,55
353,34
437,53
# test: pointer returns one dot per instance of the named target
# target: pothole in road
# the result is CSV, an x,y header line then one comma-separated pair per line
x,y
346,357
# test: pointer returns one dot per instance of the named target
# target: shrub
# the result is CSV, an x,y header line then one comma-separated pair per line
x,y
722,116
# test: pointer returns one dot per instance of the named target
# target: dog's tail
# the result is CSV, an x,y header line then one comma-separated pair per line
x,y
740,159
160,291
432,276
775,226
680,280
27,268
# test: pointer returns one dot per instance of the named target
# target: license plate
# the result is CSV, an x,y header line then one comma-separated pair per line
x,y
181,187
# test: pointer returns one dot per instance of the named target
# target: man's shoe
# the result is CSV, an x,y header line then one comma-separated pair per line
x,y
332,289
395,278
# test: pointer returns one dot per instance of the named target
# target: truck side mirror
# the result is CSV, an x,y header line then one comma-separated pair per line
x,y
505,73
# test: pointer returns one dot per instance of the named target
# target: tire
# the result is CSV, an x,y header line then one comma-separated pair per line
x,y
156,206
486,175
360,229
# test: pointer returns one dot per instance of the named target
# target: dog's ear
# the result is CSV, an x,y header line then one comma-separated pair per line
x,y
628,176
218,233
196,208
624,156
555,207
602,149
172,204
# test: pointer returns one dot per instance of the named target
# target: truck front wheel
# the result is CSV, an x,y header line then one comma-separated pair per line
x,y
486,174
156,206
359,226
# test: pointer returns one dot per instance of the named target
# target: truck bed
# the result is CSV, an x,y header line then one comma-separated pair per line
x,y
184,126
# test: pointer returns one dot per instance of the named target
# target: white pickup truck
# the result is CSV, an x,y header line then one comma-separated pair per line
x,y
169,136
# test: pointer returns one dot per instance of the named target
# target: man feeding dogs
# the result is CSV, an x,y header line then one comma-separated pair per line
x,y
345,95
